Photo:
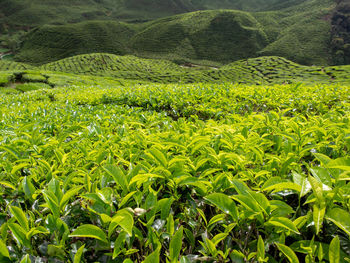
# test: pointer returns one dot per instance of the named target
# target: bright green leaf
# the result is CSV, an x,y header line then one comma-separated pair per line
x,y
68,195
334,250
176,245
289,253
153,257
20,217
158,156
318,215
117,175
261,250
284,223
224,203
124,219
3,249
26,259
90,231
341,218
19,234
79,254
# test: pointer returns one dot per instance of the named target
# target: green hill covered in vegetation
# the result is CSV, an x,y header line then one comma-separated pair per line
x,y
258,71
16,14
300,33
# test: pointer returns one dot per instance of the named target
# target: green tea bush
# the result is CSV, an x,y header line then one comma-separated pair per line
x,y
5,78
249,71
32,77
169,173
31,86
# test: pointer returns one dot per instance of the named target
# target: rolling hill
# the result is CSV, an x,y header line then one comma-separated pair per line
x,y
16,14
300,33
262,70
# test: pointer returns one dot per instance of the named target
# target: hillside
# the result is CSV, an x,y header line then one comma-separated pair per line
x,y
340,44
258,71
15,14
51,43
299,33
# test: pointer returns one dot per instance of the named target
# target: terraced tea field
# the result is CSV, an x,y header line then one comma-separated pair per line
x,y
107,165
262,70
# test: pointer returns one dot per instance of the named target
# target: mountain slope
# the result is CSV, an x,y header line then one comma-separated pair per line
x,y
51,43
262,70
300,33
222,36
15,14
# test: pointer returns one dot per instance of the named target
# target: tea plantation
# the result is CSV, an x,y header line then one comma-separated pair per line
x,y
108,158
261,70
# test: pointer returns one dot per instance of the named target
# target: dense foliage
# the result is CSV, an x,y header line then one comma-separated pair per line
x,y
31,13
300,32
341,32
262,70
168,173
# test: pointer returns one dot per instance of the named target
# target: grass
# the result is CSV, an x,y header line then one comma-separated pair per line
x,y
300,33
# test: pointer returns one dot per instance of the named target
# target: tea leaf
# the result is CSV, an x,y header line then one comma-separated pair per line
x,y
289,253
224,203
284,223
3,249
153,257
20,217
334,250
26,259
79,254
341,218
176,245
90,231
117,175
261,250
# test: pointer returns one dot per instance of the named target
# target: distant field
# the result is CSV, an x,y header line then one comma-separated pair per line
x,y
263,70
29,13
300,33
